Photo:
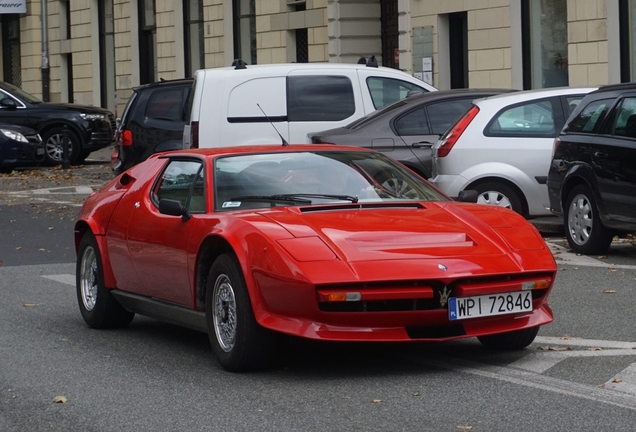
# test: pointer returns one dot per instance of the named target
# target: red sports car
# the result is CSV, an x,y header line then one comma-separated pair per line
x,y
322,242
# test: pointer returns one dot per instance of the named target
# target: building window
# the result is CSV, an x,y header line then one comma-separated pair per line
x,y
107,55
245,30
11,59
147,42
545,43
195,53
302,46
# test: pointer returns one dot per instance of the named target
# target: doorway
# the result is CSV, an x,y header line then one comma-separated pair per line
x,y
458,54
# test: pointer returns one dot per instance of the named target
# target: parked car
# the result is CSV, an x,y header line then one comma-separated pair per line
x,y
407,129
261,104
235,242
20,146
592,179
152,122
502,147
88,128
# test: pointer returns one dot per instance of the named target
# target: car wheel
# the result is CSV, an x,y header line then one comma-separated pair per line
x,y
53,146
238,341
401,188
499,194
514,340
583,228
98,306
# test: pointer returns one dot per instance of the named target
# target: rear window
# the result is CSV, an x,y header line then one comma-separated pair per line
x,y
166,104
589,120
385,91
444,114
528,119
319,98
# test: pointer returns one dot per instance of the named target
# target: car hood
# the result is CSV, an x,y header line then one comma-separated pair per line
x,y
74,107
431,231
24,130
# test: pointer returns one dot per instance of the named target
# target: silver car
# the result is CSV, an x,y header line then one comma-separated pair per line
x,y
502,148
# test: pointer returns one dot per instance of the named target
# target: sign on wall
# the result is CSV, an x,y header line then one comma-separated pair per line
x,y
13,6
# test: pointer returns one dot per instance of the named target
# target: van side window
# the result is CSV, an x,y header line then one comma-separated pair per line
x,y
319,98
385,91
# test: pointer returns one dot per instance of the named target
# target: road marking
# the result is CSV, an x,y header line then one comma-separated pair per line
x,y
63,190
564,255
625,381
63,278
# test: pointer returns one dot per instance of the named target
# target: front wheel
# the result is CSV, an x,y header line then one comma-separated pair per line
x,y
238,341
54,146
499,194
97,305
514,340
583,228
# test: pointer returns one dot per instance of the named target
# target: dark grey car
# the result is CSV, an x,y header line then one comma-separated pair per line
x,y
406,130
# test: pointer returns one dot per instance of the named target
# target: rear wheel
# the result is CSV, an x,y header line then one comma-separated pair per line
x,y
97,305
583,228
499,194
238,341
514,340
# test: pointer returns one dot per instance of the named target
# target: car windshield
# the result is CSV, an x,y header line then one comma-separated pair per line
x,y
314,177
20,94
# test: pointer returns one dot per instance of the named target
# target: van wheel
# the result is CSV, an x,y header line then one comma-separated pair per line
x,y
499,194
583,227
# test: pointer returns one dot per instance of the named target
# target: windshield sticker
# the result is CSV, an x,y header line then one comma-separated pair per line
x,y
229,204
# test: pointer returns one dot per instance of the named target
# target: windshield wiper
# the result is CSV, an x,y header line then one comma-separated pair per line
x,y
353,199
285,198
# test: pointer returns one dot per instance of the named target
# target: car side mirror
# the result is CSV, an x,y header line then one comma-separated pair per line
x,y
8,103
467,195
174,208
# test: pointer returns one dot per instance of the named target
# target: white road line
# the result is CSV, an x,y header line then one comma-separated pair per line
x,y
590,343
63,190
63,278
625,381
563,255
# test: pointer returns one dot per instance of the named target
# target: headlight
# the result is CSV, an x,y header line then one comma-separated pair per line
x,y
16,136
93,116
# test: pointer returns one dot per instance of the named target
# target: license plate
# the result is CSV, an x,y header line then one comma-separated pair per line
x,y
40,150
489,305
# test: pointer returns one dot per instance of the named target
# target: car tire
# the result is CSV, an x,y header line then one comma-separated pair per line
x,y
583,227
53,146
513,340
97,305
499,194
238,341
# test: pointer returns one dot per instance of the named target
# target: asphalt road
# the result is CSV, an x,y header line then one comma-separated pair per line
x,y
580,374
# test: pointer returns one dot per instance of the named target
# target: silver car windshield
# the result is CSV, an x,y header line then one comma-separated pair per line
x,y
319,177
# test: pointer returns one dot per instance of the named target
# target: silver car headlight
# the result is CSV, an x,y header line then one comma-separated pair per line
x,y
16,136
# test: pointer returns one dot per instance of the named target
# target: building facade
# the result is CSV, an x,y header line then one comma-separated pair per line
x,y
95,51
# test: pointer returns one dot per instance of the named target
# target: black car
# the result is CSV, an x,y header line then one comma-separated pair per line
x,y
20,146
592,178
153,122
407,129
88,128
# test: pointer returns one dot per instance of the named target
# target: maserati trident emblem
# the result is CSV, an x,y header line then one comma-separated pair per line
x,y
442,267
443,296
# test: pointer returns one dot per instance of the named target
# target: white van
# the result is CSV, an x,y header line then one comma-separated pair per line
x,y
235,105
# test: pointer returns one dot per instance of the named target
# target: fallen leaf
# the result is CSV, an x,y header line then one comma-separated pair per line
x,y
50,228
18,248
600,385
609,291
60,399
596,349
376,400
566,337
416,394
31,304
617,380
602,257
551,348
41,249
465,427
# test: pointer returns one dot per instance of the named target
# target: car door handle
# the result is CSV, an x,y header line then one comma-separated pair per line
x,y
600,155
422,144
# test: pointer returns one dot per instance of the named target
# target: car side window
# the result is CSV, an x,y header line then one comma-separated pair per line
x,y
573,102
166,105
530,119
182,180
443,114
625,124
590,118
319,98
413,123
385,91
